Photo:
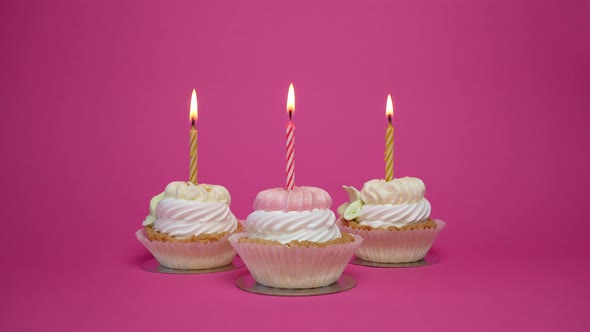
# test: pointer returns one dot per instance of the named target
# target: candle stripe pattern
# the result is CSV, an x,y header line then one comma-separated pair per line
x,y
193,162
389,153
290,155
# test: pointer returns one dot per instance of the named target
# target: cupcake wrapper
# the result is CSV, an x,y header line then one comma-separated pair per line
x,y
189,256
280,266
384,246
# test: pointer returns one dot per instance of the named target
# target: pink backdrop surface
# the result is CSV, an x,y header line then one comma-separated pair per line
x,y
492,112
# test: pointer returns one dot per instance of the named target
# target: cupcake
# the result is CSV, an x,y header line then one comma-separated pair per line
x,y
188,226
393,218
291,240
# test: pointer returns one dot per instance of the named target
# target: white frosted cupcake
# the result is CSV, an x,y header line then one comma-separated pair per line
x,y
292,240
188,226
393,218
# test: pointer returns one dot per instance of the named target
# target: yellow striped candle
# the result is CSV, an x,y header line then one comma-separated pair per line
x,y
389,141
194,143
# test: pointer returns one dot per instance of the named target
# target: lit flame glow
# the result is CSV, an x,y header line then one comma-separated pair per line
x,y
194,114
291,99
389,108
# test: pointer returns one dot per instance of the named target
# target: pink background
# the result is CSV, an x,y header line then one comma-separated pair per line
x,y
492,112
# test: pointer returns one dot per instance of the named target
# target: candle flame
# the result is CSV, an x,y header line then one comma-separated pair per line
x,y
389,107
291,99
194,114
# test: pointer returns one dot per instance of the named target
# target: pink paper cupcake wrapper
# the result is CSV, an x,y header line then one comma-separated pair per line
x,y
384,246
281,266
189,256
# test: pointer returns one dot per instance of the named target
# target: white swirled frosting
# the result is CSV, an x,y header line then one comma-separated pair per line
x,y
185,209
383,203
271,222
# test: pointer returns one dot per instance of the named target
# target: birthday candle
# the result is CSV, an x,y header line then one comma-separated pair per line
x,y
290,140
194,143
389,141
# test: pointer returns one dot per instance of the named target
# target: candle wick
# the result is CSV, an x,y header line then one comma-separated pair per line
x,y
193,123
290,115
389,118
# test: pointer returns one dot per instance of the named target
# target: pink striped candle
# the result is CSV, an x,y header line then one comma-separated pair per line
x,y
290,139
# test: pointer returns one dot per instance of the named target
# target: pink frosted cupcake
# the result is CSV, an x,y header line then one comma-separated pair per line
x,y
292,240
393,218
188,226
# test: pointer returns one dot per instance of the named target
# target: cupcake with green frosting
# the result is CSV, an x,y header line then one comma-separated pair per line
x,y
393,218
188,226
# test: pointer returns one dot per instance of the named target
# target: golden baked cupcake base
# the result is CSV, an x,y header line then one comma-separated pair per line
x,y
345,238
425,224
154,235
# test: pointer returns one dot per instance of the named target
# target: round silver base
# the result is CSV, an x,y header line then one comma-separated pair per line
x,y
153,266
430,259
248,284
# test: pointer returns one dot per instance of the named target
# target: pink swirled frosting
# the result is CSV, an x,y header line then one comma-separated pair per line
x,y
301,214
297,199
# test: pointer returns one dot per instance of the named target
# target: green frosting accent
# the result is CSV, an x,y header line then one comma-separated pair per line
x,y
353,210
153,204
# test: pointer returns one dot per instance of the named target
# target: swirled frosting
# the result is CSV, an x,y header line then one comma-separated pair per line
x,y
297,199
381,204
301,214
383,216
183,218
185,209
316,225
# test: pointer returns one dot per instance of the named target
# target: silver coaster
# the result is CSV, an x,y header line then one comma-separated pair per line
x,y
153,266
248,284
430,259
